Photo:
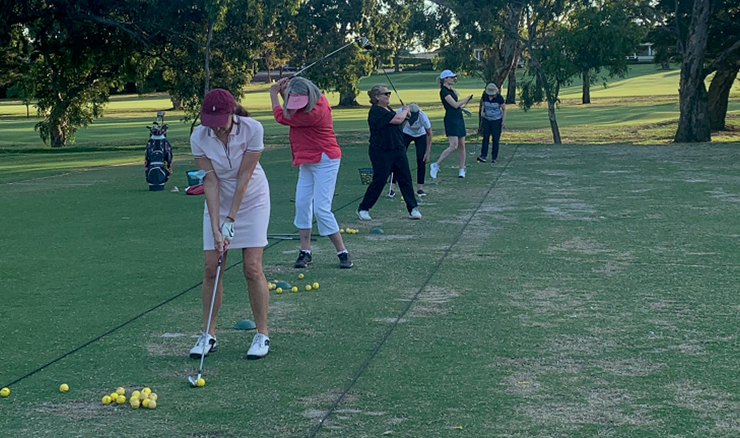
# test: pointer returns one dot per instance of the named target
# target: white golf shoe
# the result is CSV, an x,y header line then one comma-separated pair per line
x,y
415,214
364,215
206,344
260,347
461,173
433,170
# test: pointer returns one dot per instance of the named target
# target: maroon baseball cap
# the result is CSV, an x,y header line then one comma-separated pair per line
x,y
217,108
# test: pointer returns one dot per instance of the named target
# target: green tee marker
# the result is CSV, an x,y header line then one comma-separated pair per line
x,y
245,324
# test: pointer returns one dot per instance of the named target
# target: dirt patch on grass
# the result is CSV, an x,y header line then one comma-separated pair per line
x,y
384,237
708,403
432,301
76,410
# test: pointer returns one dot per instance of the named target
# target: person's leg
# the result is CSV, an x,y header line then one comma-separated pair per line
x,y
206,289
326,179
420,144
259,294
461,152
403,173
303,203
450,149
486,125
381,170
496,131
407,139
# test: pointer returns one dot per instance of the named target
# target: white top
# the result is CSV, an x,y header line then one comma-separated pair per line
x,y
250,226
419,127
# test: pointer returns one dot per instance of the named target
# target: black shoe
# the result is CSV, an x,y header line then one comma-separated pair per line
x,y
345,261
481,159
304,258
493,161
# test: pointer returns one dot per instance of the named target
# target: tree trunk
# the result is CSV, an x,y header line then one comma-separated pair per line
x,y
207,85
396,62
511,89
347,98
28,111
719,92
501,57
176,103
58,125
553,122
693,123
586,98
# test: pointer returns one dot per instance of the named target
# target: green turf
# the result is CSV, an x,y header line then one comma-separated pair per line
x,y
571,291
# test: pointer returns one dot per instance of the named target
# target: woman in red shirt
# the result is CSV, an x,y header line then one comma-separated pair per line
x,y
316,153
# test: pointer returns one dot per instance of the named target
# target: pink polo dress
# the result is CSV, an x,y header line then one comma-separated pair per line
x,y
250,224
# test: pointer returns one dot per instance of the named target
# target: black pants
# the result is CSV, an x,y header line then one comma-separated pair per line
x,y
384,163
420,143
491,128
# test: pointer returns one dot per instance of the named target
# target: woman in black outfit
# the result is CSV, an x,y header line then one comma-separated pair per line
x,y
454,123
387,153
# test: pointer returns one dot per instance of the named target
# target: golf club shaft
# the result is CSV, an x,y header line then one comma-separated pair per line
x,y
392,86
210,313
324,57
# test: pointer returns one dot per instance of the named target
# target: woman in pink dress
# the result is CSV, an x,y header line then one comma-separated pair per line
x,y
227,146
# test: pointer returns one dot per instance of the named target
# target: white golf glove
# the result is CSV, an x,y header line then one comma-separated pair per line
x,y
467,112
227,230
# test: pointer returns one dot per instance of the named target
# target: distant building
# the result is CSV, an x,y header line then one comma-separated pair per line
x,y
644,54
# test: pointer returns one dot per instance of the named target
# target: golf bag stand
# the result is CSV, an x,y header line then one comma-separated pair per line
x,y
158,158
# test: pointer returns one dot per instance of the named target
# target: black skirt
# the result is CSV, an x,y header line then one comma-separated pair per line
x,y
454,127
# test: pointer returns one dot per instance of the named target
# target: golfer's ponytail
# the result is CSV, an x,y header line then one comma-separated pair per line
x,y
241,111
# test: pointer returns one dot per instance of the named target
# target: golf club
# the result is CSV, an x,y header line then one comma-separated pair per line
x,y
364,42
194,381
391,82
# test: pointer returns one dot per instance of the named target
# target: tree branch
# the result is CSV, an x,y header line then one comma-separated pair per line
x,y
721,59
139,36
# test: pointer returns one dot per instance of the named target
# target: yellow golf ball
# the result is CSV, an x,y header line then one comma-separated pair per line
x,y
315,285
147,390
200,383
153,396
136,394
152,404
279,290
106,400
143,396
308,287
120,391
113,396
145,403
301,275
4,392
294,289
341,230
63,387
121,399
135,403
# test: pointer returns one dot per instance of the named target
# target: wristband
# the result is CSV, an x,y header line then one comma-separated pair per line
x,y
229,218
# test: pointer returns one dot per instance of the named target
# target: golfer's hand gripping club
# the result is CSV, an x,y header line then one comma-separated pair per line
x,y
227,230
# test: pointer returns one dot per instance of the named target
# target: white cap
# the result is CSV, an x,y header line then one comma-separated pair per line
x,y
447,74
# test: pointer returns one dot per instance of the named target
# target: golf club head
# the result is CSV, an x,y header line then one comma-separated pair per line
x,y
366,44
193,381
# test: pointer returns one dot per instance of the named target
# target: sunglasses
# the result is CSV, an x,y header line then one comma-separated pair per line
x,y
387,93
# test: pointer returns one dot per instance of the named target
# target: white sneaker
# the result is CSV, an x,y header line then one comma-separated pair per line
x,y
415,214
260,347
364,215
433,170
206,344
461,173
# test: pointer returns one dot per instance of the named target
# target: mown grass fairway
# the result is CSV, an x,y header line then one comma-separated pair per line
x,y
579,290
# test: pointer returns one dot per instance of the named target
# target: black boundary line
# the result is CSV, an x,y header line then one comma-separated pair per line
x,y
426,281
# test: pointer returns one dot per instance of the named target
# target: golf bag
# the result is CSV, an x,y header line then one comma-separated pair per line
x,y
158,158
